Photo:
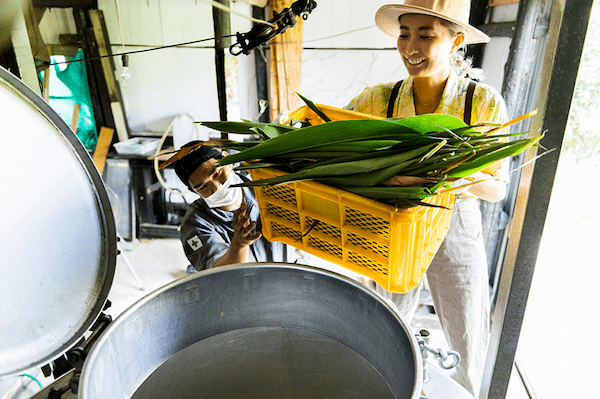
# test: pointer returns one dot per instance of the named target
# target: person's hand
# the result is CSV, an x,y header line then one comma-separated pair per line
x,y
410,181
243,228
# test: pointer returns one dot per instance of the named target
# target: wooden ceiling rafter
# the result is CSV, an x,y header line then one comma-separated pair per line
x,y
85,4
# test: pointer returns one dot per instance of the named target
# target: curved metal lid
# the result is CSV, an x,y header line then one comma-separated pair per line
x,y
58,238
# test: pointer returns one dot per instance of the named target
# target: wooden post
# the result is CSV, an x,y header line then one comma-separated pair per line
x,y
75,118
222,28
101,36
104,139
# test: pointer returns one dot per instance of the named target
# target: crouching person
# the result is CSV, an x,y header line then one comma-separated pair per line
x,y
223,226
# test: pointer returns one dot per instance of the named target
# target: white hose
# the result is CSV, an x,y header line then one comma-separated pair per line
x,y
160,144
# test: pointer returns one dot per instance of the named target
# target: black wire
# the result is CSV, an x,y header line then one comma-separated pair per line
x,y
140,51
222,37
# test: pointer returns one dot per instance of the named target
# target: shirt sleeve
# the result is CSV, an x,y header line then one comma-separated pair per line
x,y
373,100
489,106
202,243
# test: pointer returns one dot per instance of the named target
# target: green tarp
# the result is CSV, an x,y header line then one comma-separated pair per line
x,y
69,87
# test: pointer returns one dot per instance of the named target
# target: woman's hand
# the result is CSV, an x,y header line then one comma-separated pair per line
x,y
489,190
407,181
482,186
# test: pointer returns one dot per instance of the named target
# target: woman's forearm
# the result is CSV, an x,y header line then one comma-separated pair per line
x,y
489,190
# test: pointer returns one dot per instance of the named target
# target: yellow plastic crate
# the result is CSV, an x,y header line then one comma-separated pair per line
x,y
392,246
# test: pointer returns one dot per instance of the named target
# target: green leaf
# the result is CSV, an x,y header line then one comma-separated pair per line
x,y
481,162
312,106
429,123
368,179
259,165
392,192
246,127
323,134
343,168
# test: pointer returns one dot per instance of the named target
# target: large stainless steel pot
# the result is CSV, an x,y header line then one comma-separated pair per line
x,y
256,331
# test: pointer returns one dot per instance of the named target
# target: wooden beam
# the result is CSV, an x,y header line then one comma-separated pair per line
x,y
24,55
498,29
493,3
108,67
98,91
85,4
104,140
256,3
75,118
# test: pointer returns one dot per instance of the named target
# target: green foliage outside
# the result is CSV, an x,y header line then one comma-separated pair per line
x,y
582,137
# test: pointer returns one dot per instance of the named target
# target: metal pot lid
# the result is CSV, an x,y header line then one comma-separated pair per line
x,y
58,238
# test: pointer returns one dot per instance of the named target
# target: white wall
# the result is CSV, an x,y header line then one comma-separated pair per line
x,y
334,77
169,82
497,50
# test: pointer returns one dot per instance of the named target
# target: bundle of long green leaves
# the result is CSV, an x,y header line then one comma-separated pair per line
x,y
360,156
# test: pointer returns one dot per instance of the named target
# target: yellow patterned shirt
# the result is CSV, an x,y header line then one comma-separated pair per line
x,y
487,106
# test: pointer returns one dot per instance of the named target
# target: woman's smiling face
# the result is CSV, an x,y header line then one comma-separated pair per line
x,y
425,45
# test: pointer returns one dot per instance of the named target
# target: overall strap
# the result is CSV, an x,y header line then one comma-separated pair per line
x,y
469,102
394,95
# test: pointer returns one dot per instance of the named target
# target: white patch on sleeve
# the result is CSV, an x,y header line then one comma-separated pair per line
x,y
194,243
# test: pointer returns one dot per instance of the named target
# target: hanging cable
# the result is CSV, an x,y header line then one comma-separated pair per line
x,y
340,34
229,10
256,37
159,148
124,53
138,51
120,26
124,58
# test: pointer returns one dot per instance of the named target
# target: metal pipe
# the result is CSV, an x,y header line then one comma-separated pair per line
x,y
520,91
524,379
521,58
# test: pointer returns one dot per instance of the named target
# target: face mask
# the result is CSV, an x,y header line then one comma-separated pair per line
x,y
226,195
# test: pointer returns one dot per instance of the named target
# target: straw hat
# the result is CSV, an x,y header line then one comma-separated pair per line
x,y
456,11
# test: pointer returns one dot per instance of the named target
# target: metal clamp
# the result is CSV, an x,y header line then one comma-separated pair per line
x,y
438,354
261,34
442,356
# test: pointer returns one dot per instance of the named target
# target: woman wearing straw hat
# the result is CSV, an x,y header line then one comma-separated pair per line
x,y
429,34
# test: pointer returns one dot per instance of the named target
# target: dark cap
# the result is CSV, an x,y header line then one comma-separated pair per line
x,y
187,165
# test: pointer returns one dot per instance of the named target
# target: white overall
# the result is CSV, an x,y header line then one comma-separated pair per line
x,y
459,287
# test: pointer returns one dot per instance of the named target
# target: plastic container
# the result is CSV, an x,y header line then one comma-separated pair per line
x,y
137,146
390,245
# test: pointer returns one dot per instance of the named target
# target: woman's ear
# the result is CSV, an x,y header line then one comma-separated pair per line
x,y
459,39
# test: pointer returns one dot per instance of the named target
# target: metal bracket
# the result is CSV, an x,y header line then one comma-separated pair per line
x,y
261,34
75,357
